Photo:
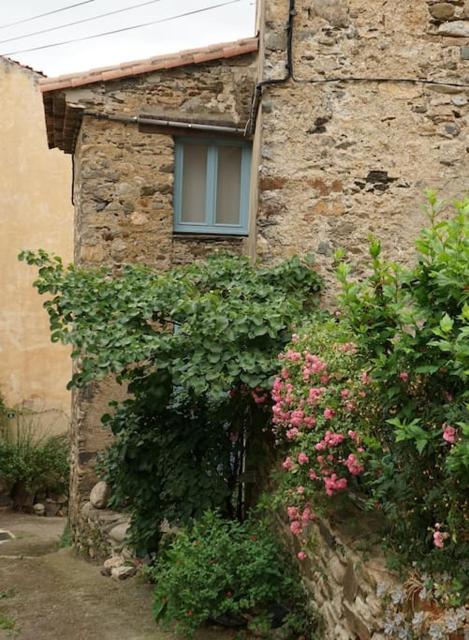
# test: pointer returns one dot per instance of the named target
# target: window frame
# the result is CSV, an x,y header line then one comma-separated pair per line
x,y
209,226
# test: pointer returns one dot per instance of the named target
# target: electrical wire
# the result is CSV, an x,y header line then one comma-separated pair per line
x,y
123,29
83,20
49,13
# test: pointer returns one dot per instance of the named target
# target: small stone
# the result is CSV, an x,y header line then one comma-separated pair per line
x,y
113,562
337,569
458,29
110,564
350,583
100,495
460,101
442,10
119,532
324,248
123,572
358,626
464,53
39,509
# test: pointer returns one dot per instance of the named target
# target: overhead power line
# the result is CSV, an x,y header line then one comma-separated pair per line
x,y
49,13
71,24
122,29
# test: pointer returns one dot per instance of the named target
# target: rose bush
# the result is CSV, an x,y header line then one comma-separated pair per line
x,y
376,401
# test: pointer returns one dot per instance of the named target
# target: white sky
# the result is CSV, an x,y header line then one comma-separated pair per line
x,y
221,24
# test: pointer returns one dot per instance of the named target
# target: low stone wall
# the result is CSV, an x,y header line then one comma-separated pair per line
x,y
357,597
342,585
101,532
101,535
41,503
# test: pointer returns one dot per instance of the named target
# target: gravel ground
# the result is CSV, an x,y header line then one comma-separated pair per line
x,y
47,593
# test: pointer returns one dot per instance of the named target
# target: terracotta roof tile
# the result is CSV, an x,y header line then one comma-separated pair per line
x,y
138,67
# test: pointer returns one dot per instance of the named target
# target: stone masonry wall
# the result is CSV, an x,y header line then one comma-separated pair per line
x,y
123,200
354,593
350,144
346,590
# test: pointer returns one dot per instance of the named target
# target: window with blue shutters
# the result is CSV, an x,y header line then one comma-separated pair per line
x,y
212,180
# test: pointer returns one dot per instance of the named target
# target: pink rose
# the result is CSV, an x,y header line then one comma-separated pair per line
x,y
365,377
287,464
307,516
296,528
329,413
292,512
297,418
404,376
450,434
303,458
313,475
333,439
353,465
300,490
302,555
334,484
439,539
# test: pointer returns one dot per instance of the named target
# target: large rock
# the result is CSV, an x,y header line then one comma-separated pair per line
x,y
100,495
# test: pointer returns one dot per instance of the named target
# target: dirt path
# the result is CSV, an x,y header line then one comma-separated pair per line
x,y
49,594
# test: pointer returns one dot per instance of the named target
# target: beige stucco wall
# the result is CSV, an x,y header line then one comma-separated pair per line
x,y
35,212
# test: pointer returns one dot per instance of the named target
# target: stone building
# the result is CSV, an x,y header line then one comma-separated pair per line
x,y
324,129
35,211
130,129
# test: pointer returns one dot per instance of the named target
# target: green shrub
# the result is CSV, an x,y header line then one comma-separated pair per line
x,y
34,463
198,347
223,569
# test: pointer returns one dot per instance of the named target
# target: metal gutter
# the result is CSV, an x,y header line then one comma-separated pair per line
x,y
160,122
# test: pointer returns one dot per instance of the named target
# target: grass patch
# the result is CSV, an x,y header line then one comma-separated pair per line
x,y
7,623
65,538
9,593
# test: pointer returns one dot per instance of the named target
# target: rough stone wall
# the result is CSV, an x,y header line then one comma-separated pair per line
x,y
343,159
356,595
347,590
124,200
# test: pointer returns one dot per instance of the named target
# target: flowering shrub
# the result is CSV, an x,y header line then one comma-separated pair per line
x,y
319,414
378,400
